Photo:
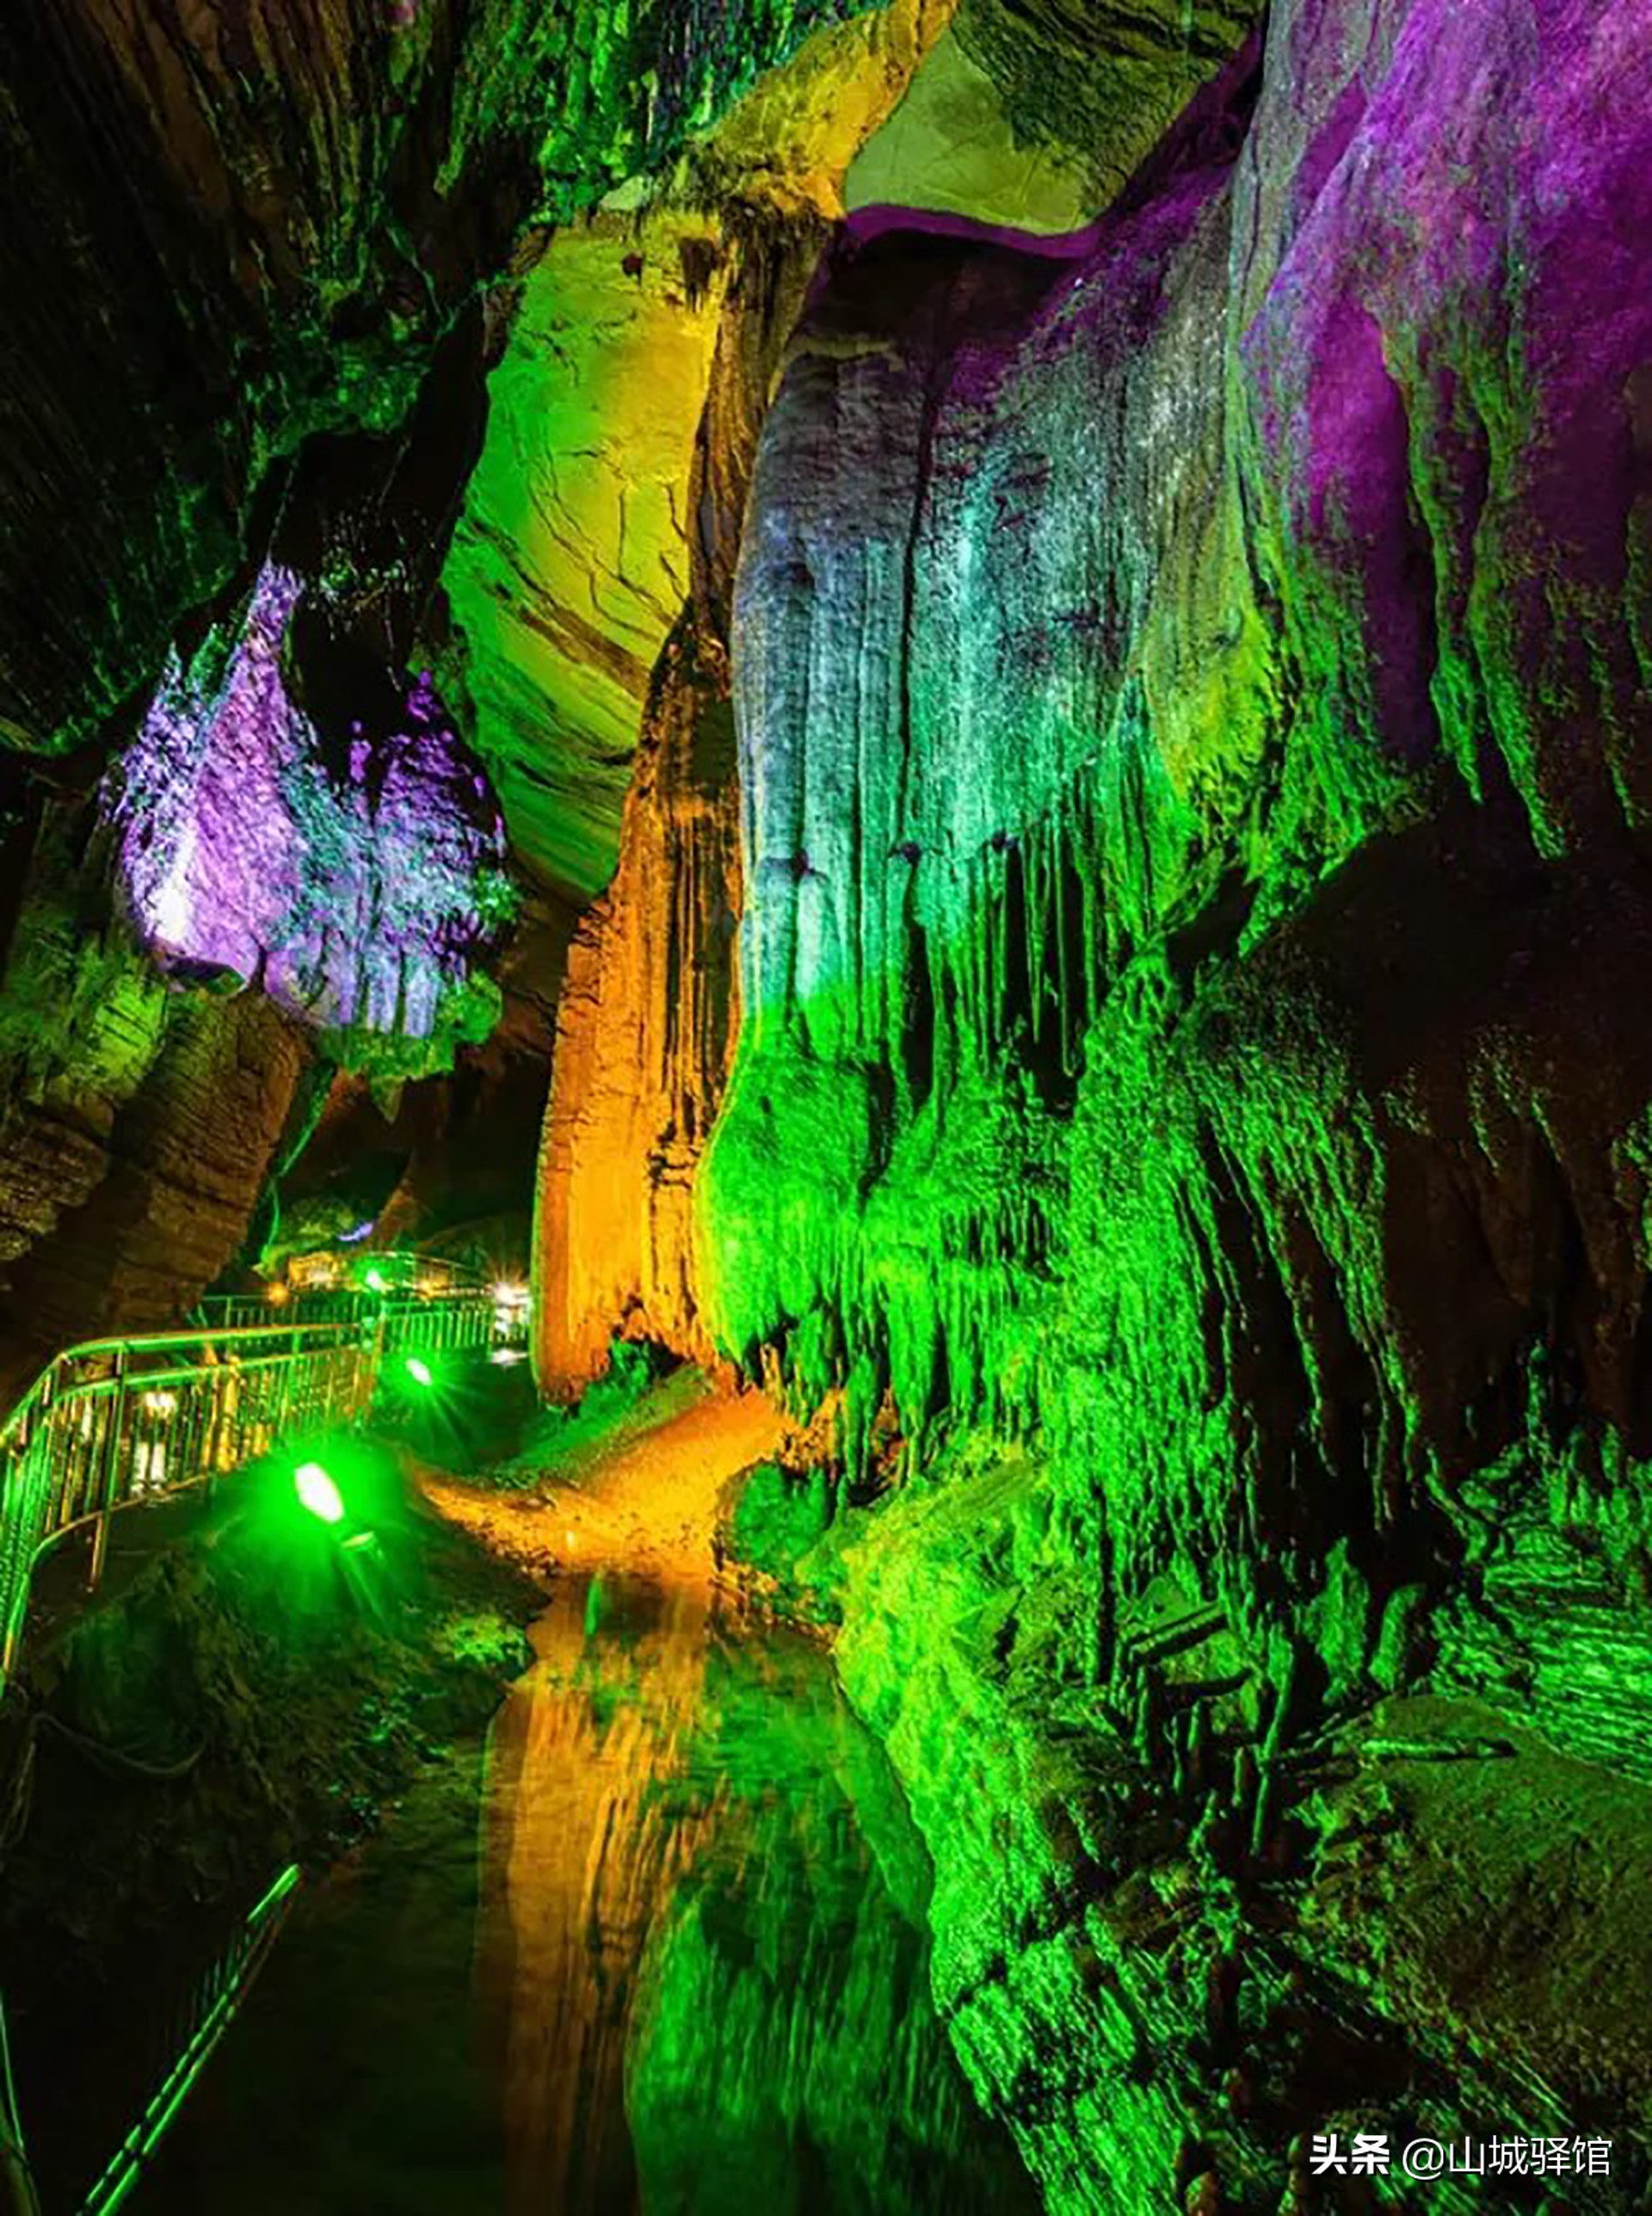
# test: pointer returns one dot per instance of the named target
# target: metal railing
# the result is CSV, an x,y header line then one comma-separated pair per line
x,y
399,1276
209,2010
459,1322
117,1422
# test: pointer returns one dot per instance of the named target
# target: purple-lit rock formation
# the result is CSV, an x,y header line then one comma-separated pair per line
x,y
362,904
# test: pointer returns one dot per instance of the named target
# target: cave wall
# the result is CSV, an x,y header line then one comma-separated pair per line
x,y
1188,1119
1190,692
574,554
259,262
140,1120
569,563
649,1007
648,1010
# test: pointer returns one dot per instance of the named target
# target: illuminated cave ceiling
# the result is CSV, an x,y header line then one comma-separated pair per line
x,y
283,229
570,563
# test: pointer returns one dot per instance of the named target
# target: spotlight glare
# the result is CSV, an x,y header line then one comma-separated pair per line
x,y
316,1491
419,1371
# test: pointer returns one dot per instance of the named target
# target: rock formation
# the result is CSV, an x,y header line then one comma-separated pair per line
x,y
1190,680
259,262
649,1011
1065,591
361,904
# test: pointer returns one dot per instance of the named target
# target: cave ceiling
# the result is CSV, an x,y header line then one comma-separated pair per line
x,y
233,228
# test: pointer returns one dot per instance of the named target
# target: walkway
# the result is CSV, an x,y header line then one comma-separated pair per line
x,y
641,1496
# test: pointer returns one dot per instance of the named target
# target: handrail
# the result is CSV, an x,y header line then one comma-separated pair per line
x,y
214,2006
117,1420
17,2193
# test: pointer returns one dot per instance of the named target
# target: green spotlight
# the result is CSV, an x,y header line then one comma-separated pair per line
x,y
419,1370
376,1281
318,1493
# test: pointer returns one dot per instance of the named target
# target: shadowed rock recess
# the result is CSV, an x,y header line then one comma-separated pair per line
x,y
1019,639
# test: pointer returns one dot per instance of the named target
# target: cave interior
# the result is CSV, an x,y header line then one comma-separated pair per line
x,y
931,726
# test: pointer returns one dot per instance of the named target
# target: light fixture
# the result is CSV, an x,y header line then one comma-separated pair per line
x,y
419,1370
317,1492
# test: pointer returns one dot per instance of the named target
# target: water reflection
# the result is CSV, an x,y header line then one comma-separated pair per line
x,y
702,1959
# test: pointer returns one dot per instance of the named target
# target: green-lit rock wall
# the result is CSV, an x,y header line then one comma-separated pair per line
x,y
1193,738
1188,745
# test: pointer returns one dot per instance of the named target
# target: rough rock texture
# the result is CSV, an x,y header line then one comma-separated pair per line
x,y
1191,686
137,1122
950,147
445,1160
231,228
649,1011
345,905
362,905
1035,115
1105,744
571,562
1438,1930
186,1157
647,1018
258,261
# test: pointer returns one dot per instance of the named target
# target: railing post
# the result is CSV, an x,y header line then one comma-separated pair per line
x,y
109,1473
286,1384
376,1364
206,1427
15,1561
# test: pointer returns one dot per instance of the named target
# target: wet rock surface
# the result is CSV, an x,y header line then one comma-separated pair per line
x,y
662,1948
1172,1945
